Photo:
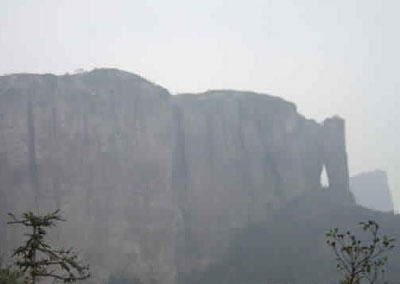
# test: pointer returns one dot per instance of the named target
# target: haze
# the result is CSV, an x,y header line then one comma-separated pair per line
x,y
329,57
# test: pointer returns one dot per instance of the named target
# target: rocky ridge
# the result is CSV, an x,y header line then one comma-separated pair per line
x,y
154,185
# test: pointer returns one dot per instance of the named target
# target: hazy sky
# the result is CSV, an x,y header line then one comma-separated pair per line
x,y
328,56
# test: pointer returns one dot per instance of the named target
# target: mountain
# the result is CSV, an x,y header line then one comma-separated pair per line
x,y
289,246
371,189
155,186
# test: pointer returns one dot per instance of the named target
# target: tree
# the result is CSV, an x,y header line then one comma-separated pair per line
x,y
36,258
8,275
360,260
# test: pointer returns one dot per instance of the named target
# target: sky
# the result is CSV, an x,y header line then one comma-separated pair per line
x,y
329,57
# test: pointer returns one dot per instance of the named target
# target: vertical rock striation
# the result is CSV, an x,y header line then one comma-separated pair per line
x,y
98,145
240,156
154,185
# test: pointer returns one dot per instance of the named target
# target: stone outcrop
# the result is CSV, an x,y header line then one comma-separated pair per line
x,y
154,185
240,155
98,146
371,190
335,158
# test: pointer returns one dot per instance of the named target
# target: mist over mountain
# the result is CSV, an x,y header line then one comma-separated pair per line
x,y
371,189
289,245
176,189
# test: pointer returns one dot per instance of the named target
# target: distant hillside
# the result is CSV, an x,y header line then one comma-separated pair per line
x,y
371,189
289,247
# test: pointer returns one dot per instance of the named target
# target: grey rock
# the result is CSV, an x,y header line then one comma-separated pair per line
x,y
154,185
371,190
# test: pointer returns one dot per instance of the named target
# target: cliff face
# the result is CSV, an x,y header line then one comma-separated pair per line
x,y
240,155
152,184
98,146
371,190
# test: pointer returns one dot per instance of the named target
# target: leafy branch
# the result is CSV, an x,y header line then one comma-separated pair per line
x,y
360,260
39,259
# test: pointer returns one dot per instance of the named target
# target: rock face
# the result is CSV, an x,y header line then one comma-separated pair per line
x,y
98,146
153,185
371,190
242,155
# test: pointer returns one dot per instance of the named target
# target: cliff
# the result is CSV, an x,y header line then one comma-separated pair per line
x,y
98,146
154,185
239,156
371,189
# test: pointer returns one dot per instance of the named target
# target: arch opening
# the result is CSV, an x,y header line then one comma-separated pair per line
x,y
324,180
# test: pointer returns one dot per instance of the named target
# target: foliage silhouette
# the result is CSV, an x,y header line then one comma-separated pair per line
x,y
360,260
8,275
38,259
